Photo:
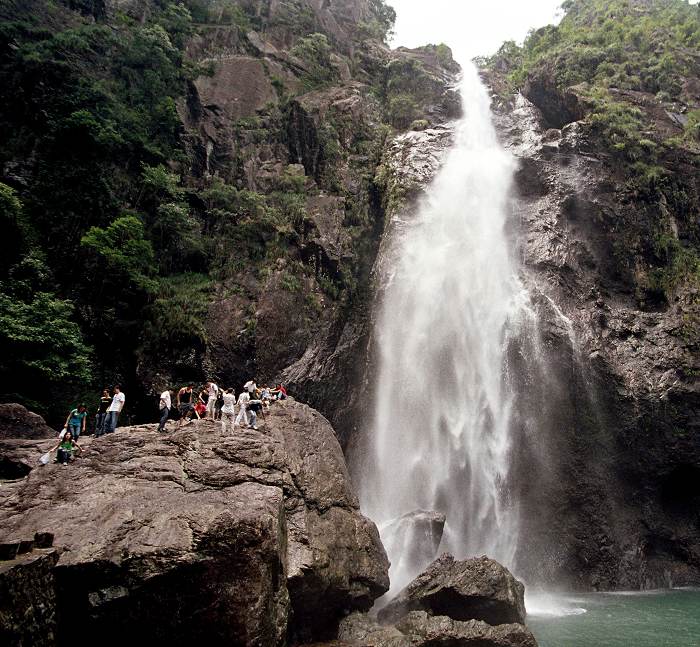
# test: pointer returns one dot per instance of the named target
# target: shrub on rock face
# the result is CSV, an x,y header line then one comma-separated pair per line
x,y
474,589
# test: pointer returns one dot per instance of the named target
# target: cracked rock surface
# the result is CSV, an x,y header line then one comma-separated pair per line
x,y
242,539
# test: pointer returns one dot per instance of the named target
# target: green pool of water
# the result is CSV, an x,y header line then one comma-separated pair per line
x,y
644,619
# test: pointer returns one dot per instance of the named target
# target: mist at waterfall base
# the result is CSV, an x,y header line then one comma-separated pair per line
x,y
441,438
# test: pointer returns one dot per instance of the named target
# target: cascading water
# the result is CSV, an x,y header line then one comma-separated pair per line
x,y
442,429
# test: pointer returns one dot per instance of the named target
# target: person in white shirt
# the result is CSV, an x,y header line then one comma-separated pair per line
x,y
212,392
251,387
228,411
243,400
114,409
165,405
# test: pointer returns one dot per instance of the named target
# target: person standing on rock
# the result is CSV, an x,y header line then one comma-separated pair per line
x,y
212,393
219,405
254,408
243,400
228,411
165,405
114,410
76,421
184,403
251,387
105,401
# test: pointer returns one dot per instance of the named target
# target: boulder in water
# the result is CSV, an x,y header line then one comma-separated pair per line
x,y
473,589
415,538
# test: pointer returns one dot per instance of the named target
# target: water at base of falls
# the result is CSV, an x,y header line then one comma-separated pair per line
x,y
441,437
644,619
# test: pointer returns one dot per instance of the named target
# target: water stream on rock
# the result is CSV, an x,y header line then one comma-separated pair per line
x,y
442,432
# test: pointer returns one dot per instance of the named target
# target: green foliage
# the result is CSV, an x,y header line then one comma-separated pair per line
x,y
175,320
121,252
619,43
43,358
315,52
402,110
380,24
681,265
220,12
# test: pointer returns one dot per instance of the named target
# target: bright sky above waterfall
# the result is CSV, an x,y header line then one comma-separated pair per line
x,y
470,27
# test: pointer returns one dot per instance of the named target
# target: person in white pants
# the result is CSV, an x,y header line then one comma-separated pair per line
x,y
212,392
243,400
228,411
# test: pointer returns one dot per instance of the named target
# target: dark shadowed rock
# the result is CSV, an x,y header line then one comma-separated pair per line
x,y
17,421
28,599
473,589
193,536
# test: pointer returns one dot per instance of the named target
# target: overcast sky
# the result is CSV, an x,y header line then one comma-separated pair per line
x,y
470,27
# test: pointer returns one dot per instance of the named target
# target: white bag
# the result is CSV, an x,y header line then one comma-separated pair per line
x,y
44,460
62,433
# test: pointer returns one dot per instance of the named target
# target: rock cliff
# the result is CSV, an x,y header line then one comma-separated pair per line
x,y
610,456
251,538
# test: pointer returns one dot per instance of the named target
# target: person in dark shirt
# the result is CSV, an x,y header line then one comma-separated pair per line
x,y
185,403
105,401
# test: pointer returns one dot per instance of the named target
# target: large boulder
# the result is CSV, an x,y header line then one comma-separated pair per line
x,y
414,539
473,589
243,539
16,421
420,629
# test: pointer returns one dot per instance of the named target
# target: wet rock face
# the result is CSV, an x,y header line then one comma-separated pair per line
x,y
244,539
474,589
415,539
474,602
610,397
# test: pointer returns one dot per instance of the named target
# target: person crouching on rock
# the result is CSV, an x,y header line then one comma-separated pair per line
x,y
66,448
228,411
184,404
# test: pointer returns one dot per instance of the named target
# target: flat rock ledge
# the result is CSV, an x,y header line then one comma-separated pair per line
x,y
253,538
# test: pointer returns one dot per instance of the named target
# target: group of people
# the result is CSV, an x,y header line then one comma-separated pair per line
x,y
216,403
76,424
209,402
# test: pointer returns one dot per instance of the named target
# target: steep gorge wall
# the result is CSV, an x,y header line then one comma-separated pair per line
x,y
610,461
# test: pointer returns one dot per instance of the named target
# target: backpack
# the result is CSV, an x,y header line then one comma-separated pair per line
x,y
255,406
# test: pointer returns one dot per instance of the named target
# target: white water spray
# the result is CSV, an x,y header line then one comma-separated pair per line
x,y
441,439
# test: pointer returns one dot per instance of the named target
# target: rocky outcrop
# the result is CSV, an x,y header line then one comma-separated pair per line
x,y
475,602
414,540
242,539
474,589
17,421
608,480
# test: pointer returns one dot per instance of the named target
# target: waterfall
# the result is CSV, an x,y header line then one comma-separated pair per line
x,y
441,437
